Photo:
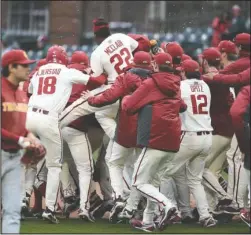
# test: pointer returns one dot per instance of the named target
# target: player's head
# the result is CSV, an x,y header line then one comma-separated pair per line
x,y
80,61
15,65
142,60
189,69
101,29
176,51
242,42
228,52
185,57
57,54
164,62
211,58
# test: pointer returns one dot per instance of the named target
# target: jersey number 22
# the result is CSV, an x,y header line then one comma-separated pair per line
x,y
47,85
121,60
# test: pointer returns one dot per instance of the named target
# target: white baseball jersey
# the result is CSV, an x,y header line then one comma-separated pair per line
x,y
51,86
196,94
113,55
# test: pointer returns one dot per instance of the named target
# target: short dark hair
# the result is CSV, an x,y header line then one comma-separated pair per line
x,y
214,63
176,60
190,75
6,71
166,68
103,33
245,48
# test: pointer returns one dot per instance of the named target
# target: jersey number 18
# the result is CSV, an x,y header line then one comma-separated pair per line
x,y
47,85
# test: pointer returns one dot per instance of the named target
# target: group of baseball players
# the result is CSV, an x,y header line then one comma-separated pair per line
x,y
143,132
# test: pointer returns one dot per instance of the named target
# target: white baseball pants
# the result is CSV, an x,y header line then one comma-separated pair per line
x,y
81,151
214,165
237,181
187,169
47,128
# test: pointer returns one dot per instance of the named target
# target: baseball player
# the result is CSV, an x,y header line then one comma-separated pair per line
x,y
222,100
15,69
196,140
124,85
156,111
77,139
240,113
113,54
51,87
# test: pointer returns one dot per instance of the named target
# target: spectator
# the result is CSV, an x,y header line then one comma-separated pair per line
x,y
220,26
238,23
43,44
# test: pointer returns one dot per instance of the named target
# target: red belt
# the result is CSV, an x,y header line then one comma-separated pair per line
x,y
40,111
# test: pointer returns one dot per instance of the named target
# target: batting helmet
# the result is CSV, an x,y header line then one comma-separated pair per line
x,y
57,54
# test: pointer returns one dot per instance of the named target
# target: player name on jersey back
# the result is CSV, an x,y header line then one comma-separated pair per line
x,y
113,55
196,94
51,86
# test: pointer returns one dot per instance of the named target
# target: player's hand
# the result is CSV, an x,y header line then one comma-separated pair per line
x,y
210,75
86,94
26,142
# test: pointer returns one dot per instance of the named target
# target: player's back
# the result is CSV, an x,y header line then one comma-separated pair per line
x,y
51,87
113,55
196,94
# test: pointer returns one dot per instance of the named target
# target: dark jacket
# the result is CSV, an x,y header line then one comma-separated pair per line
x,y
240,113
126,130
157,102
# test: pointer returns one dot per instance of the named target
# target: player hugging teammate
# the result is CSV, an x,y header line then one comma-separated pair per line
x,y
162,126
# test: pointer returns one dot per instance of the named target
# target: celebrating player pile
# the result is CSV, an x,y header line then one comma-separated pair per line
x,y
167,123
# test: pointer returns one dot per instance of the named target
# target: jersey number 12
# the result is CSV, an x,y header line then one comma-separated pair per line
x,y
198,108
47,85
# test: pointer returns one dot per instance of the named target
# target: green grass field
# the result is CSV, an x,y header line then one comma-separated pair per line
x,y
103,226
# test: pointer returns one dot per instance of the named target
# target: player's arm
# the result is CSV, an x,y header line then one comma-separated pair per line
x,y
133,44
20,140
96,65
133,103
109,96
239,79
77,76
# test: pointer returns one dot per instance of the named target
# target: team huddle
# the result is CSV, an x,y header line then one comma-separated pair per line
x,y
165,128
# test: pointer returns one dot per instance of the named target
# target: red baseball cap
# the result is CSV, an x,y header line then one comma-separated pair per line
x,y
189,66
144,43
227,46
41,62
211,54
163,58
98,24
242,39
142,58
174,49
79,57
185,57
16,57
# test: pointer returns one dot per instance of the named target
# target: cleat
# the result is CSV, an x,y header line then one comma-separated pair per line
x,y
118,207
99,211
125,215
50,216
71,204
166,215
208,222
144,227
245,217
86,216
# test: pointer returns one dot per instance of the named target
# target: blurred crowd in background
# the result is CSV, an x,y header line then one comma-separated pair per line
x,y
194,40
